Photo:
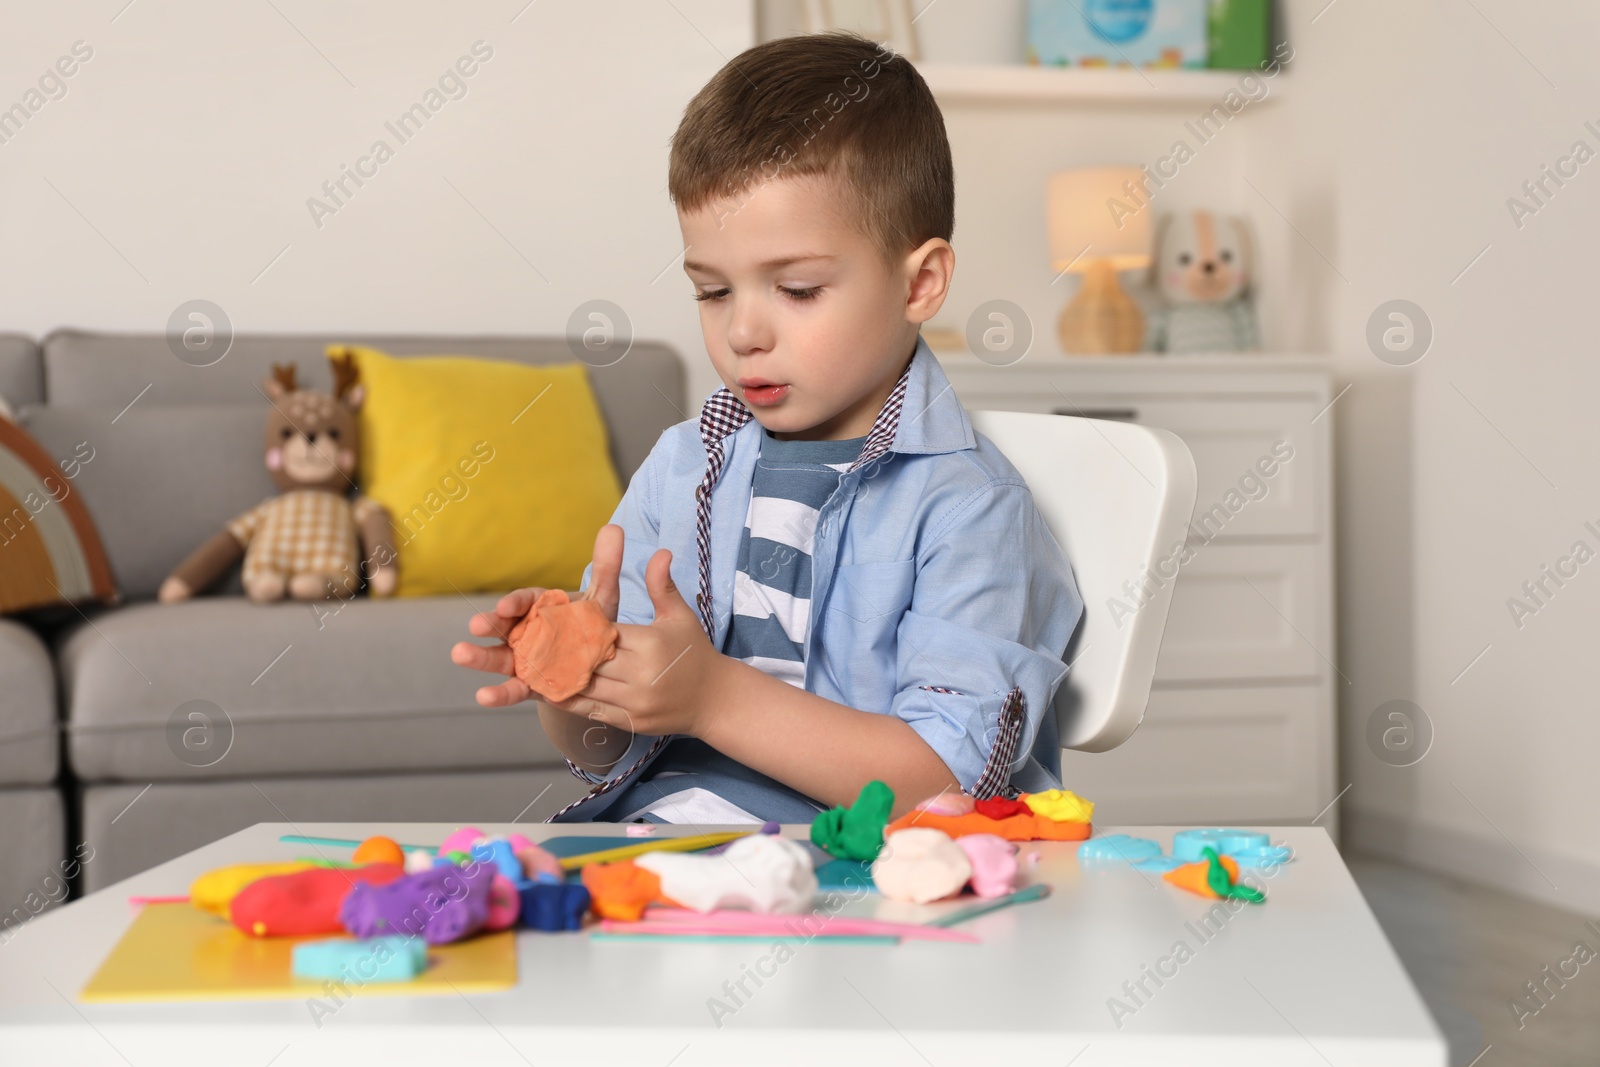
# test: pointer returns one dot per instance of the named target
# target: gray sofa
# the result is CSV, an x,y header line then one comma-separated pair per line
x,y
348,715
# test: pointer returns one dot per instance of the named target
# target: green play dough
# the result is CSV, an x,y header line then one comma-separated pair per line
x,y
856,832
1224,886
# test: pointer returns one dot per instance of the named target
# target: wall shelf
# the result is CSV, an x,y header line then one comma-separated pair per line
x,y
998,82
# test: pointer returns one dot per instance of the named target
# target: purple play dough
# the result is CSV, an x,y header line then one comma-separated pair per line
x,y
444,904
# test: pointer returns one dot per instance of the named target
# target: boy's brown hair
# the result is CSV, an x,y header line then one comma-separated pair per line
x,y
834,104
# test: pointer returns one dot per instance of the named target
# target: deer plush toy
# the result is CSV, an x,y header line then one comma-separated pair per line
x,y
313,541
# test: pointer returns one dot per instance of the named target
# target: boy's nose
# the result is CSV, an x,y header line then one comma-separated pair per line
x,y
748,332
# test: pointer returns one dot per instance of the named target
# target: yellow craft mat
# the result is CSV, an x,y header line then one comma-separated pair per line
x,y
175,952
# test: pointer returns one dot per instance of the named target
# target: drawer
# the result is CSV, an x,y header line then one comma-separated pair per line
x,y
1244,755
1246,611
1257,461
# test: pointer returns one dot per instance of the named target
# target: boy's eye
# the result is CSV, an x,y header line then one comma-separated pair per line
x,y
793,294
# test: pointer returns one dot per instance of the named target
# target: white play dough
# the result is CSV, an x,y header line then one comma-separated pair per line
x,y
920,865
762,872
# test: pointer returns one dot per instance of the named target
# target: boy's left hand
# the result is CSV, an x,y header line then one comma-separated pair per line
x,y
664,677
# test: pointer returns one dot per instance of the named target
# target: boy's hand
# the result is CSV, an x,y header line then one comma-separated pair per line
x,y
603,588
664,676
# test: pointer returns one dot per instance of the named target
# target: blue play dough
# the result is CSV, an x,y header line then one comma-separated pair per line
x,y
1118,847
378,959
498,852
552,906
1158,864
845,874
1189,845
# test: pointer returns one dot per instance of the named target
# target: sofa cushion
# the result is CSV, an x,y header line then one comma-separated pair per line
x,y
158,481
288,688
481,497
36,869
50,551
127,828
21,371
640,394
28,744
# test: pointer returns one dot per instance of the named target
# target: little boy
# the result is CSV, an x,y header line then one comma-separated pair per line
x,y
828,577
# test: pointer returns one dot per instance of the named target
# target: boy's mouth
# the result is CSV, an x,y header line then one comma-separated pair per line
x,y
762,393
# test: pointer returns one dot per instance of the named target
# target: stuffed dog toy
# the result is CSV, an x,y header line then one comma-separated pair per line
x,y
1202,269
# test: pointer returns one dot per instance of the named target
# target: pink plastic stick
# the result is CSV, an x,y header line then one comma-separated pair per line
x,y
733,922
159,900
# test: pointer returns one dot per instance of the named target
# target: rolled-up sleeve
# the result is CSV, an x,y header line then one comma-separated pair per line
x,y
978,656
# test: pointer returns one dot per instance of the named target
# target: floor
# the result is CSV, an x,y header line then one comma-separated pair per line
x,y
1472,950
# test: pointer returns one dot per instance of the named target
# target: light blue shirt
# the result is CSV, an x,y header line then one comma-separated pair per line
x,y
936,586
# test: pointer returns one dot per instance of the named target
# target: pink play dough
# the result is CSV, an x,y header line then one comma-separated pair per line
x,y
994,863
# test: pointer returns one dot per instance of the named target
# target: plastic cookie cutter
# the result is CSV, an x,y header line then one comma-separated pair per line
x,y
1249,848
1118,847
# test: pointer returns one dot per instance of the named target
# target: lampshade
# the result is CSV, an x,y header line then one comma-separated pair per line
x,y
1091,206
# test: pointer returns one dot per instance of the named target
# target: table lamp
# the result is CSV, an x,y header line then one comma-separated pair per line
x,y
1096,229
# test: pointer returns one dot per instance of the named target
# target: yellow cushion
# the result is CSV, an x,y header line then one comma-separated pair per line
x,y
497,474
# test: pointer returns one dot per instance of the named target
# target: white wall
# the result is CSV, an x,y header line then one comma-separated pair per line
x,y
189,144
1462,475
185,150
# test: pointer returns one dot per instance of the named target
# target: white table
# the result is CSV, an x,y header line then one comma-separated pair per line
x,y
1306,978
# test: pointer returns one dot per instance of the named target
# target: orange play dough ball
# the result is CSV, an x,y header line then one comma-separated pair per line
x,y
379,849
621,890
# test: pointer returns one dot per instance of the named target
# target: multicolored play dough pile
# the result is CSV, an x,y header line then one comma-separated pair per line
x,y
391,902
948,842
472,884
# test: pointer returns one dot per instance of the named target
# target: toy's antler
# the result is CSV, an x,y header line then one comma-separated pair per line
x,y
285,375
345,374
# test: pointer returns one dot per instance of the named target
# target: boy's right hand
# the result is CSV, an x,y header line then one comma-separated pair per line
x,y
604,589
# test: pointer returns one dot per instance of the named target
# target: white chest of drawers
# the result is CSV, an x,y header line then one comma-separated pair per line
x,y
1240,726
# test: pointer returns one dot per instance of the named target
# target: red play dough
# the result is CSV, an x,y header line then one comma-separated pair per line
x,y
559,643
1001,808
305,902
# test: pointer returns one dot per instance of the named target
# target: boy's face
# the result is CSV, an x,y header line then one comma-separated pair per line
x,y
802,319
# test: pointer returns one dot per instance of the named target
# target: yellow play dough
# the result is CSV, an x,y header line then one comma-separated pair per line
x,y
1059,805
214,891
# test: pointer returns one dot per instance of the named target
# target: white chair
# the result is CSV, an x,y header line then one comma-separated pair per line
x,y
1118,497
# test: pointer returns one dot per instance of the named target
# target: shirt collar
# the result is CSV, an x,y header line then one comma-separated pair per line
x,y
921,414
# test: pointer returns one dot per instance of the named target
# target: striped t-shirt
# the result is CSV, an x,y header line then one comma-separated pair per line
x,y
772,585
771,619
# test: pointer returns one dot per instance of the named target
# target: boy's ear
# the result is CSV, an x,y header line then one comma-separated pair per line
x,y
931,267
